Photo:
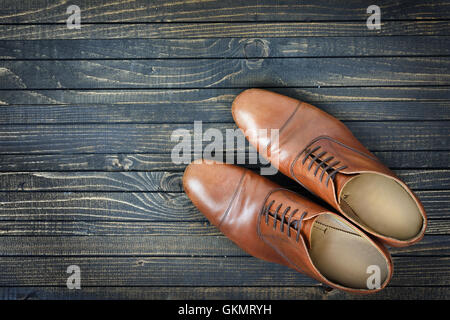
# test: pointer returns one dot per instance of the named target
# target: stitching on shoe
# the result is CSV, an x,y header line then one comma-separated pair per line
x,y
290,117
350,207
335,228
236,192
269,145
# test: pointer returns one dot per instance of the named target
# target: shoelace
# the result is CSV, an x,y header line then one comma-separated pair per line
x,y
316,158
297,223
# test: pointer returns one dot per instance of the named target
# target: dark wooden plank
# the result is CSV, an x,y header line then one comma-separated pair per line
x,y
165,246
73,205
97,206
133,181
222,30
127,206
435,202
210,112
136,138
156,138
225,47
417,159
101,181
150,162
428,246
63,228
197,271
425,179
154,229
286,292
190,97
224,10
123,246
224,73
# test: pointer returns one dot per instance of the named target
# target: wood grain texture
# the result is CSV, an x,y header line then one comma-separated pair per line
x,y
151,162
132,229
223,30
86,117
287,292
214,10
431,179
156,138
150,229
97,181
189,97
138,206
210,112
97,206
224,73
436,227
166,246
195,271
249,48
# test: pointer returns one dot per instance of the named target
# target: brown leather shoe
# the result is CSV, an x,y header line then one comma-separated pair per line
x,y
277,225
320,153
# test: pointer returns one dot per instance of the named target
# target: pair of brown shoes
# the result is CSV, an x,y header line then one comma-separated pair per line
x,y
318,151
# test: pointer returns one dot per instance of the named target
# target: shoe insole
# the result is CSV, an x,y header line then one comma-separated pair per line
x,y
381,204
343,255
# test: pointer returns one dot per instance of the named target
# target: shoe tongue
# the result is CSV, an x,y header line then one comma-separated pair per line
x,y
340,180
306,230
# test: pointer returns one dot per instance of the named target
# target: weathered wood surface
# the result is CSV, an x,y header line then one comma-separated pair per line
x,y
195,271
224,73
218,10
429,179
287,292
166,246
86,117
149,161
76,226
210,112
226,47
187,97
221,29
156,138
149,206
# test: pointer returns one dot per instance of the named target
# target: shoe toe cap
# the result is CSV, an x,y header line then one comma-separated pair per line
x,y
261,109
211,187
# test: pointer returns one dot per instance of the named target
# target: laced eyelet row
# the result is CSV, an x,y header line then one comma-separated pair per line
x,y
295,224
324,164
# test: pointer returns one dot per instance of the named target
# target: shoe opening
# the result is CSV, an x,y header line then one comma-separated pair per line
x,y
343,255
383,205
